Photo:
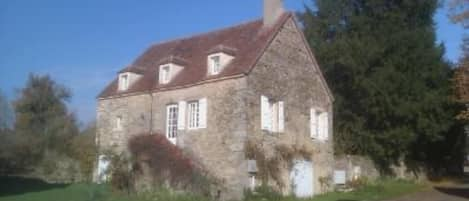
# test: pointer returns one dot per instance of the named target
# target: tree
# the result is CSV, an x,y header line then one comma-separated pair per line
x,y
84,150
459,12
5,113
42,120
390,80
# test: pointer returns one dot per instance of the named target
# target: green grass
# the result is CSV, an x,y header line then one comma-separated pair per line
x,y
381,190
14,189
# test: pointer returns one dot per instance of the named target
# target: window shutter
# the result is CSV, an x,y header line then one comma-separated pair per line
x,y
281,117
182,115
326,126
203,113
313,123
264,113
320,126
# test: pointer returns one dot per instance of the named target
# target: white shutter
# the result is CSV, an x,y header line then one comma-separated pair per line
x,y
313,123
281,117
326,126
265,110
203,113
182,115
322,126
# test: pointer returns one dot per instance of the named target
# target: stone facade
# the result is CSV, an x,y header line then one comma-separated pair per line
x,y
286,71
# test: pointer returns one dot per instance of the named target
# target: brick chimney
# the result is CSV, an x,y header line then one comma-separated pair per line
x,y
273,9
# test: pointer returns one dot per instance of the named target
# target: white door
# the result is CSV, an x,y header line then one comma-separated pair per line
x,y
302,178
103,168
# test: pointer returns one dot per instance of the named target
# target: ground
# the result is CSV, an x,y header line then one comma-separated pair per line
x,y
451,192
19,189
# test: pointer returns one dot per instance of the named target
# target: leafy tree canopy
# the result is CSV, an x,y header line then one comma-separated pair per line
x,y
6,113
42,117
388,74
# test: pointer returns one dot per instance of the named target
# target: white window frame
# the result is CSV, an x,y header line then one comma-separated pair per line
x,y
124,81
272,115
172,122
215,64
319,124
118,123
194,114
165,76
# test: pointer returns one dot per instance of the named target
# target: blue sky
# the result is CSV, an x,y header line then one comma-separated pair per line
x,y
82,44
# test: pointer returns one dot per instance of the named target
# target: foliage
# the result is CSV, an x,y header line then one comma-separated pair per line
x,y
122,174
358,183
389,78
154,156
459,12
263,193
84,150
42,118
6,114
269,167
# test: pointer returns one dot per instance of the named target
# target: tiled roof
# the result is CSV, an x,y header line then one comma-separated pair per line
x,y
246,41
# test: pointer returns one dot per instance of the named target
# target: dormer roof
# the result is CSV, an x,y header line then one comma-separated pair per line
x,y
246,42
223,49
133,69
173,60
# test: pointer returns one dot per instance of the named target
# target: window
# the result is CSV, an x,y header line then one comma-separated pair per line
x,y
118,125
123,82
197,114
165,74
319,124
215,65
194,114
272,115
172,122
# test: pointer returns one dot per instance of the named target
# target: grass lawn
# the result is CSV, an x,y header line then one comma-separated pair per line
x,y
34,190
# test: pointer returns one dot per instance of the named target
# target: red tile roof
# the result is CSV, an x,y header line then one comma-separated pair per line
x,y
246,41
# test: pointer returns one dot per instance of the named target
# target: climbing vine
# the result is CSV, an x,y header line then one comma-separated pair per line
x,y
270,167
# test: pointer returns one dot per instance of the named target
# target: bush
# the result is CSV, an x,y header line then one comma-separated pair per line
x,y
122,175
83,149
358,183
155,157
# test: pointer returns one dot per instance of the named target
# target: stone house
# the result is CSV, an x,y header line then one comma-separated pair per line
x,y
214,93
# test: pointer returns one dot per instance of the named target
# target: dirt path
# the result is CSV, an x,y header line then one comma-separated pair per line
x,y
451,193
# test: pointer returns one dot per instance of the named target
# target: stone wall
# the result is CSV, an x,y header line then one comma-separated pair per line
x,y
286,72
219,147
356,167
135,112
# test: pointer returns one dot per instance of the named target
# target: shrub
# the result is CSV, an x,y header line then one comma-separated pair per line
x,y
263,192
358,183
166,164
83,149
122,179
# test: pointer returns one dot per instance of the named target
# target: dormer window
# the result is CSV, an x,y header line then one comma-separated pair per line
x,y
123,82
127,77
217,61
168,71
165,74
215,65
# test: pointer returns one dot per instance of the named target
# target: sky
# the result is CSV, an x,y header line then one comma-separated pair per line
x,y
83,44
